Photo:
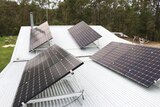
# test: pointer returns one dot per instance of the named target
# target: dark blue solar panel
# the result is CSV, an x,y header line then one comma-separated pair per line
x,y
39,36
83,34
138,63
43,71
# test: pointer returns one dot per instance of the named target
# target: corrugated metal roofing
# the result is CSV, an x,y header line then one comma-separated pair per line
x,y
102,87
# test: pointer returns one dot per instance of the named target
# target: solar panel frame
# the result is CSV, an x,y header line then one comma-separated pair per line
x,y
131,61
83,34
39,73
39,36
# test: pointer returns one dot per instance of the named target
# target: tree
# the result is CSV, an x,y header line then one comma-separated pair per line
x,y
132,17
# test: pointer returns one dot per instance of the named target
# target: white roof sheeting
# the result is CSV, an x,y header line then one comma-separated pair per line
x,y
102,86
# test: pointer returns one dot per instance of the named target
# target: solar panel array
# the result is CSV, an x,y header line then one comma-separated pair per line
x,y
139,63
39,36
43,71
83,34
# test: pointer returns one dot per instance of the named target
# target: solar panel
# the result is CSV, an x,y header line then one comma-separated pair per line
x,y
139,63
43,71
83,34
39,36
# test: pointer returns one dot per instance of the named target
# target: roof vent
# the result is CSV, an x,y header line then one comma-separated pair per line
x,y
31,20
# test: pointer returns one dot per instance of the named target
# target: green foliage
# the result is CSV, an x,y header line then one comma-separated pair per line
x,y
132,17
6,53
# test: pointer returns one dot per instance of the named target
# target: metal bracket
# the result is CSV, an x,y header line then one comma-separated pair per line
x,y
83,56
55,97
79,86
71,72
94,44
157,83
97,45
77,95
24,104
22,60
48,44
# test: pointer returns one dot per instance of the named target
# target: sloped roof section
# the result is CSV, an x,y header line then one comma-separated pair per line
x,y
102,87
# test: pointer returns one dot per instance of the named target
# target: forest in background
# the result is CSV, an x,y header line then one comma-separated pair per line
x,y
132,17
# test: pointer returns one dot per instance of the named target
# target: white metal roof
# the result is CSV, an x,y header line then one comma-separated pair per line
x,y
102,86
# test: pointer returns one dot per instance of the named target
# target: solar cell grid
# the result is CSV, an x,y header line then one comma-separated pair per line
x,y
83,34
39,36
138,63
44,70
